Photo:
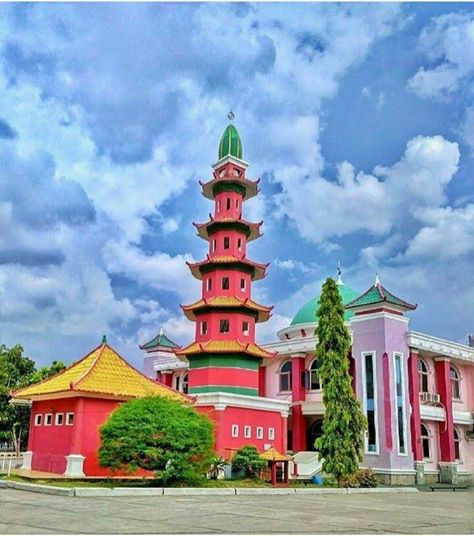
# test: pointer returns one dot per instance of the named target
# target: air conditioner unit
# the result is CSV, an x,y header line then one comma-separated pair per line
x,y
429,398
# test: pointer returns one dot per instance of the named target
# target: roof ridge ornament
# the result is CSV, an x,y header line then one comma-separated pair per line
x,y
231,115
339,280
377,280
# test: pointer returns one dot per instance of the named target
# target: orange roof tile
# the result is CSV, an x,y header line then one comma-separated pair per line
x,y
273,455
103,372
225,347
263,312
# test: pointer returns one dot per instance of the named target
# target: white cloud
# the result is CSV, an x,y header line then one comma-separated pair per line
x,y
467,129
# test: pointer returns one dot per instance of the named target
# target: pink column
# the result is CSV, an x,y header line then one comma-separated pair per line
x,y
446,429
387,409
262,375
284,434
77,434
415,418
298,395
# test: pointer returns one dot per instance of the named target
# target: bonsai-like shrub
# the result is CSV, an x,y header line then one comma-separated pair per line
x,y
160,435
362,478
247,461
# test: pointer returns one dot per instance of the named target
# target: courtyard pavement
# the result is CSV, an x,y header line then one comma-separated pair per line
x,y
441,512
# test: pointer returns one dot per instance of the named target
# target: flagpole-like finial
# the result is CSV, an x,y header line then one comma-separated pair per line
x,y
231,115
339,273
104,339
377,279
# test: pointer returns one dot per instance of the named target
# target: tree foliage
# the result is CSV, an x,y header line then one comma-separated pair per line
x,y
17,371
160,435
248,461
344,424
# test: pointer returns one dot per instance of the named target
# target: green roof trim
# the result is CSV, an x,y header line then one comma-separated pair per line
x,y
160,340
307,314
230,144
224,389
379,294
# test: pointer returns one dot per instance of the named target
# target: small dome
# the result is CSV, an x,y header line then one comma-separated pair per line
x,y
307,314
230,143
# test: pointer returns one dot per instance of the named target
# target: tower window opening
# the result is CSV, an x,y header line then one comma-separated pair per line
x,y
203,327
370,403
425,440
245,328
225,283
214,245
218,206
242,284
224,326
226,242
285,376
236,203
228,203
209,284
239,244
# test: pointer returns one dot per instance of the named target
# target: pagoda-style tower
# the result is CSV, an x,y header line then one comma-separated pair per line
x,y
224,356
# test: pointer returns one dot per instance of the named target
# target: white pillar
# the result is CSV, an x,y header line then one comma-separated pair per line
x,y
27,457
74,466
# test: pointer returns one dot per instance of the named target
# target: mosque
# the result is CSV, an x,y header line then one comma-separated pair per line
x,y
416,390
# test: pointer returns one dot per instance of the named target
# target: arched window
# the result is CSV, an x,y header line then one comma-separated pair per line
x,y
285,376
423,376
455,389
425,441
457,441
184,384
314,381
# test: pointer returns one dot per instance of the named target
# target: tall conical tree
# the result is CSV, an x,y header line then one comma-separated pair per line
x,y
344,424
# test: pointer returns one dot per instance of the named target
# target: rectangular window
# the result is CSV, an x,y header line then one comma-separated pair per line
x,y
226,242
209,284
271,434
235,430
236,203
228,203
239,244
370,402
224,326
59,421
242,284
218,206
69,419
247,432
214,245
400,404
48,419
259,432
245,328
203,327
38,419
225,283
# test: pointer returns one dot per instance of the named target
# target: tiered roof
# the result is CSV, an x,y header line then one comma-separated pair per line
x,y
224,347
247,187
160,340
102,373
228,261
251,230
262,312
378,294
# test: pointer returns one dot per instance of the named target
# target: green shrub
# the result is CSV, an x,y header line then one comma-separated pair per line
x,y
362,478
248,462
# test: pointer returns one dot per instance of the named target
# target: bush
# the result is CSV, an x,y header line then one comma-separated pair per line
x,y
362,478
160,435
247,461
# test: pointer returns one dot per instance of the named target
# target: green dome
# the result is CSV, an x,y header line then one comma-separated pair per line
x,y
307,314
230,143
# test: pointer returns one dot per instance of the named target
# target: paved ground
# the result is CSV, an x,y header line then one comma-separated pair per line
x,y
440,512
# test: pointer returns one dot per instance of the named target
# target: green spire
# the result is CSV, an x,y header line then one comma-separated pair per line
x,y
230,144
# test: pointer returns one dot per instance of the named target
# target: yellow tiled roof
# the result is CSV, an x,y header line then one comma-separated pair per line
x,y
225,347
102,371
259,268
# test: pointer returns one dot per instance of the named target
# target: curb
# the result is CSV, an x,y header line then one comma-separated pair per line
x,y
154,492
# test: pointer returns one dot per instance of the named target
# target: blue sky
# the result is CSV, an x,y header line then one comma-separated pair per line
x,y
359,119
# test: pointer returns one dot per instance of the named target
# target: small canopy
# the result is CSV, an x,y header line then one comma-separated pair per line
x,y
378,294
160,340
102,373
272,455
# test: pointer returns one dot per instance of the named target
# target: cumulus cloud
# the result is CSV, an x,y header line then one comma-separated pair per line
x,y
448,44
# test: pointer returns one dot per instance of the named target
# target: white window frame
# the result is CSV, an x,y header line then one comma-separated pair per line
x,y
235,430
430,446
404,404
209,284
372,353
259,432
247,431
68,415
38,419
56,419
46,423
271,434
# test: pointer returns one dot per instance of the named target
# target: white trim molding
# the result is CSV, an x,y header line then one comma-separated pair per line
x,y
432,413
243,401
435,345
381,314
312,408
